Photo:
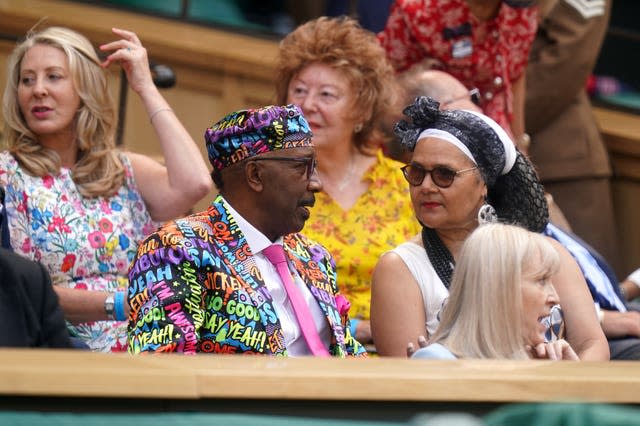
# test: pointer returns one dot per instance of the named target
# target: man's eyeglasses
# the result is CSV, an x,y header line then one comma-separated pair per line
x,y
309,162
473,95
441,176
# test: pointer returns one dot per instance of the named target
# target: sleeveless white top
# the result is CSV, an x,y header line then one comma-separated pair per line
x,y
434,293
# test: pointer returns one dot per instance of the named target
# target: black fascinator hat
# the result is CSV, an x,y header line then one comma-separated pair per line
x,y
514,189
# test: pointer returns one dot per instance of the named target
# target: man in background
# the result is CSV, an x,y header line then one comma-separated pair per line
x,y
566,146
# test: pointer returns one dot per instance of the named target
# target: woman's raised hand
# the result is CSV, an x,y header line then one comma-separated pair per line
x,y
132,56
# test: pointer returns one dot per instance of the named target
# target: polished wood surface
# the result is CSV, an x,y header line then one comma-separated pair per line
x,y
31,372
621,133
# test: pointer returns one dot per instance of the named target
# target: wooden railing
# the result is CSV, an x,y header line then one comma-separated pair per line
x,y
112,381
621,132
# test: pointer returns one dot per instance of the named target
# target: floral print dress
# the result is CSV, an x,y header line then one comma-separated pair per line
x,y
381,219
85,243
488,55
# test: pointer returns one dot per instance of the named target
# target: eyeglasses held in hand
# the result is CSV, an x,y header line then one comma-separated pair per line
x,y
440,175
473,95
310,162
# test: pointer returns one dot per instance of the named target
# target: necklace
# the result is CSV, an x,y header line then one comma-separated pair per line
x,y
439,255
345,180
347,177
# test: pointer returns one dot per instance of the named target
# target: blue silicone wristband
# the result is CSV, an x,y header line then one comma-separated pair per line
x,y
353,326
118,306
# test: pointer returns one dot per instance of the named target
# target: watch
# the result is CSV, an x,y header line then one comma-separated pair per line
x,y
108,307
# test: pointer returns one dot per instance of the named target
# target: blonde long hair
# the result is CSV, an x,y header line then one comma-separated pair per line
x,y
98,170
482,318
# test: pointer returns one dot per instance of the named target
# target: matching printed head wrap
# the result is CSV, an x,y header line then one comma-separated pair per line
x,y
512,183
247,133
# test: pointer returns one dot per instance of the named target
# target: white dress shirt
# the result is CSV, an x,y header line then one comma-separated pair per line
x,y
294,339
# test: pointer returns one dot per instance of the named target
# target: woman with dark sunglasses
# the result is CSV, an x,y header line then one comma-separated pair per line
x,y
465,171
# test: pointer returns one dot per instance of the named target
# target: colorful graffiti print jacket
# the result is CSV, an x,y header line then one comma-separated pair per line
x,y
194,287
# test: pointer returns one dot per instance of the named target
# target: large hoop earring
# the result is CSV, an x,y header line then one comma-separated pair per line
x,y
487,214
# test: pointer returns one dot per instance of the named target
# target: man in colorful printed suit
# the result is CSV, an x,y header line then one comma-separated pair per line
x,y
204,284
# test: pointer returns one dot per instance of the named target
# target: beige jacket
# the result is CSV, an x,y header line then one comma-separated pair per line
x,y
566,142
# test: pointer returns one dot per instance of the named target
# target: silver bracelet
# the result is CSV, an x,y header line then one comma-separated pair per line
x,y
156,112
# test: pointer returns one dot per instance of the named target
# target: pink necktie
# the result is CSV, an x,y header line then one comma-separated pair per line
x,y
275,254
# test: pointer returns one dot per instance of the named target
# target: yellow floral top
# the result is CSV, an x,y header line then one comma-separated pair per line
x,y
381,219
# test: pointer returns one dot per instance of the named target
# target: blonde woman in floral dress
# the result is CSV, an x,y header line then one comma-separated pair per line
x,y
75,203
337,73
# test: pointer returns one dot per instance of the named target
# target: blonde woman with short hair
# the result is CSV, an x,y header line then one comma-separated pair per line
x,y
501,289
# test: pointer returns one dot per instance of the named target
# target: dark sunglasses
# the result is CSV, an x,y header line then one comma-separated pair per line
x,y
440,175
310,162
473,95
